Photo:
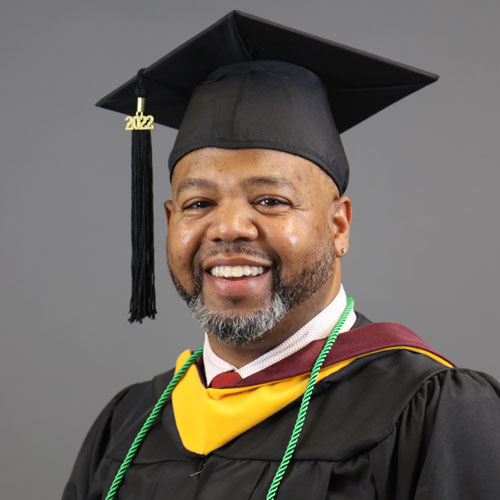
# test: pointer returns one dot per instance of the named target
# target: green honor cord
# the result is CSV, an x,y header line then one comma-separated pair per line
x,y
299,423
149,422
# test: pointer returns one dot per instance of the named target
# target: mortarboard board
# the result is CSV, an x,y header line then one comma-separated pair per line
x,y
317,89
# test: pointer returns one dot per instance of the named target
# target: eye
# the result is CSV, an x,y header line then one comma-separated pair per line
x,y
197,205
270,201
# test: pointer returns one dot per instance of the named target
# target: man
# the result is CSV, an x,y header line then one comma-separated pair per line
x,y
295,395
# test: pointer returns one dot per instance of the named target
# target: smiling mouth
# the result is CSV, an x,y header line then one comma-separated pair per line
x,y
229,272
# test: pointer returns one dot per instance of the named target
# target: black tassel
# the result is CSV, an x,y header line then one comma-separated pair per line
x,y
143,299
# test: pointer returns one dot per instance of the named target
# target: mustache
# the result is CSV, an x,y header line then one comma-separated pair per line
x,y
229,249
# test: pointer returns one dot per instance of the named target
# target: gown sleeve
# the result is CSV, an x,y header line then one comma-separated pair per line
x,y
446,444
91,453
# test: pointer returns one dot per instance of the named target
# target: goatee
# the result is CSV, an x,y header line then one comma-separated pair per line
x,y
240,329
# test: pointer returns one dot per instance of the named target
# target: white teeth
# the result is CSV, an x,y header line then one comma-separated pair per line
x,y
235,271
256,270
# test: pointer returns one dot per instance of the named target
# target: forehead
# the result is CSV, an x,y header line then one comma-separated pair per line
x,y
239,166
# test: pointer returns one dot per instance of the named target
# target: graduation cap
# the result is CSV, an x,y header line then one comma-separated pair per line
x,y
247,82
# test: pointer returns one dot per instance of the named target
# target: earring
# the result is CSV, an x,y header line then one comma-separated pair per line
x,y
344,251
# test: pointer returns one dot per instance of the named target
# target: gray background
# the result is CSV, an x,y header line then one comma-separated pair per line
x,y
424,185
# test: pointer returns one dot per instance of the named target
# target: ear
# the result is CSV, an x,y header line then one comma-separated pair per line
x,y
341,219
169,207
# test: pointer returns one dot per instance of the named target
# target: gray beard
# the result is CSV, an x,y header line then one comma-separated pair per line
x,y
233,329
239,329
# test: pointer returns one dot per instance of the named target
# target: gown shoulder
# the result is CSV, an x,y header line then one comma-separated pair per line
x,y
445,443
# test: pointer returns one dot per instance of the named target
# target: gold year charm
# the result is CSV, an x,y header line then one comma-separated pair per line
x,y
140,121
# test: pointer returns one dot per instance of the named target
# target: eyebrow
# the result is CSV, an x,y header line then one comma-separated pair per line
x,y
269,181
196,182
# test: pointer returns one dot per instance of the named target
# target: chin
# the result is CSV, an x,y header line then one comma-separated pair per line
x,y
237,326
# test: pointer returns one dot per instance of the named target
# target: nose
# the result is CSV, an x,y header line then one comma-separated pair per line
x,y
232,221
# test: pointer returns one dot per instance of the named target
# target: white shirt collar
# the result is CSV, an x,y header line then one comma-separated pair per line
x,y
318,327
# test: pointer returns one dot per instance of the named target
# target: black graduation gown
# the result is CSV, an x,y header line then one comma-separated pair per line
x,y
394,425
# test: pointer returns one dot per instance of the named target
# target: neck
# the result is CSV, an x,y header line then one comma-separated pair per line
x,y
296,318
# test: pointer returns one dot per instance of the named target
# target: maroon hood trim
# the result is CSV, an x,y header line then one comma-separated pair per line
x,y
356,342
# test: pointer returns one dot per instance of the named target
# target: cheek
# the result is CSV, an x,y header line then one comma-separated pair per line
x,y
303,232
296,241
301,240
182,244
